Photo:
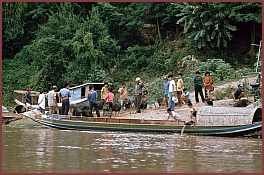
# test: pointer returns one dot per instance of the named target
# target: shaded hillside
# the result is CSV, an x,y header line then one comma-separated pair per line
x,y
53,43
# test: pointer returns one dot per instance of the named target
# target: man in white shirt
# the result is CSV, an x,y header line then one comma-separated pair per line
x,y
42,100
173,114
172,89
52,101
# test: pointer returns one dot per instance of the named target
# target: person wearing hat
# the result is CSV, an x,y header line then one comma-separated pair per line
x,y
198,89
28,99
138,93
166,86
239,93
208,81
52,101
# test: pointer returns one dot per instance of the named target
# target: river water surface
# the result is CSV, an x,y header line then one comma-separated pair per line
x,y
45,150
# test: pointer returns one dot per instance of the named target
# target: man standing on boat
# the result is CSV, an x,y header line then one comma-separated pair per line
x,y
52,101
92,98
138,94
42,101
28,99
65,94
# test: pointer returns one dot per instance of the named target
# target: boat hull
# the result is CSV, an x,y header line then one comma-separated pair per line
x,y
161,127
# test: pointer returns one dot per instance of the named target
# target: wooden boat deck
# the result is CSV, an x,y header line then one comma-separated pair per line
x,y
125,120
6,115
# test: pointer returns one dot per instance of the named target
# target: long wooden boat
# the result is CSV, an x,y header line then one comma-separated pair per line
x,y
231,126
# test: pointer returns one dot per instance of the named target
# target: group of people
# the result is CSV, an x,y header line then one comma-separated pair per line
x,y
172,92
107,96
64,95
183,96
52,96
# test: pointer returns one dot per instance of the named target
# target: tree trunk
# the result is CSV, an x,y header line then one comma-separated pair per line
x,y
252,40
160,39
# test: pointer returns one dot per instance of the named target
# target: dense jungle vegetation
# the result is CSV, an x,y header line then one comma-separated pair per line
x,y
47,44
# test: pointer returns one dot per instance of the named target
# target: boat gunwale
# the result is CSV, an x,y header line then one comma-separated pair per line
x,y
191,130
144,124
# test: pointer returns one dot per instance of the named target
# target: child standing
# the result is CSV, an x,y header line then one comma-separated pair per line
x,y
192,112
179,89
208,81
109,97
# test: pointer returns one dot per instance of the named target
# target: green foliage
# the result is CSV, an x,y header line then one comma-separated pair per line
x,y
155,90
51,43
225,93
65,47
208,24
16,76
12,20
219,70
137,59
247,12
97,76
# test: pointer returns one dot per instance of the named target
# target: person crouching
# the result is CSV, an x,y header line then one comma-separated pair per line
x,y
173,114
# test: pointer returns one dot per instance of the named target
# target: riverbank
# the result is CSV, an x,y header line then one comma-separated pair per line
x,y
154,112
159,113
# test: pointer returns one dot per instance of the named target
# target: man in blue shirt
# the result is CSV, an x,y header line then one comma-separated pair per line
x,y
65,94
166,92
28,99
239,93
186,96
92,98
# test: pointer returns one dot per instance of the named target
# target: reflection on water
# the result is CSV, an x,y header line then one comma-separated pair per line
x,y
51,150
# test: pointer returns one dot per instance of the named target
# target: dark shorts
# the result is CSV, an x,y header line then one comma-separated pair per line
x,y
179,92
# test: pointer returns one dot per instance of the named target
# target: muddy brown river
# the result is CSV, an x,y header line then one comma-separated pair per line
x,y
45,150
